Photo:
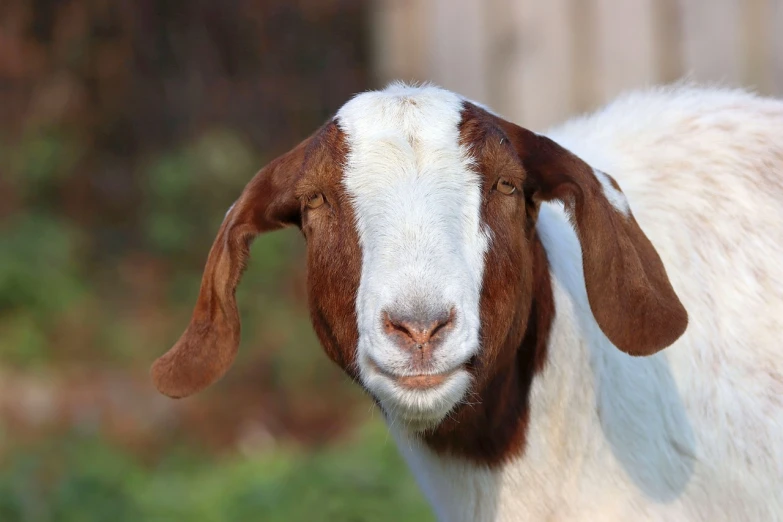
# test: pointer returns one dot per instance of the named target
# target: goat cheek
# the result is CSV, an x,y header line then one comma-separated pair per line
x,y
506,296
332,281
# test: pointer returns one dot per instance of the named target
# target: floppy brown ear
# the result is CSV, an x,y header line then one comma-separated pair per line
x,y
208,347
629,292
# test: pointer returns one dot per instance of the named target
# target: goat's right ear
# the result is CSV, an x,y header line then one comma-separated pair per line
x,y
628,289
209,345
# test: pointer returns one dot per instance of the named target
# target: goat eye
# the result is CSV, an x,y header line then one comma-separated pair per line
x,y
315,201
504,186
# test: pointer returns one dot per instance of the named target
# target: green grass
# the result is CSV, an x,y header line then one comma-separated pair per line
x,y
78,479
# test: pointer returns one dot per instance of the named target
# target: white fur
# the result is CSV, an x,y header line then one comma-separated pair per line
x,y
417,206
615,197
692,433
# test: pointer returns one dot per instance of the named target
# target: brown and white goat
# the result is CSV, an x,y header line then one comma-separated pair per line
x,y
491,289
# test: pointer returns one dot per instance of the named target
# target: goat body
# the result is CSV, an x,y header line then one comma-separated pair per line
x,y
506,298
694,432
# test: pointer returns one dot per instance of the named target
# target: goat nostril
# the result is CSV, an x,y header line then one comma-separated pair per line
x,y
418,330
391,326
443,323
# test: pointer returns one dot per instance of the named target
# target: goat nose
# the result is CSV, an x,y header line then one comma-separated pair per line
x,y
417,332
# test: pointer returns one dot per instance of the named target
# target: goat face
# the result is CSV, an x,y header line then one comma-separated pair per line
x,y
425,274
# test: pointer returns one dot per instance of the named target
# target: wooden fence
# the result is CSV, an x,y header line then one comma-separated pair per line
x,y
540,61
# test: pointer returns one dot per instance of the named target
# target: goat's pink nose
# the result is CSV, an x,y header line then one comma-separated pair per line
x,y
417,333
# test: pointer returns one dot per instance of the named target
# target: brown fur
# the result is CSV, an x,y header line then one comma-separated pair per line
x,y
627,285
334,258
517,309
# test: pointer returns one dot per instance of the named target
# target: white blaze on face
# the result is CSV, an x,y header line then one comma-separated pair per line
x,y
417,204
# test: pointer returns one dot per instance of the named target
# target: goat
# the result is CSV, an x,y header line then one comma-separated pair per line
x,y
505,302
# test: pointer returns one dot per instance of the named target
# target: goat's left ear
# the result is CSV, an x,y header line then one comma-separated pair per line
x,y
629,292
209,345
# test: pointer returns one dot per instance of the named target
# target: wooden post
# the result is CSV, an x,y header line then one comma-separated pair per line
x,y
459,47
712,40
537,62
400,43
539,79
625,46
775,43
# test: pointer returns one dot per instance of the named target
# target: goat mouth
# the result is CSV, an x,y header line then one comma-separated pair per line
x,y
416,382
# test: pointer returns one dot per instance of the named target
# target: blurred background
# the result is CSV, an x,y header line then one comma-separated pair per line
x,y
128,127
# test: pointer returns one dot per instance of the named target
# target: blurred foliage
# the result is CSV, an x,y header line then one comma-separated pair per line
x,y
127,129
82,480
39,279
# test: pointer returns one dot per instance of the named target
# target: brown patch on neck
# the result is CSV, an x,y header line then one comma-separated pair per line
x,y
491,427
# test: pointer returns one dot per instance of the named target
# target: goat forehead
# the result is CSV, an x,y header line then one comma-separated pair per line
x,y
414,187
405,153
416,113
